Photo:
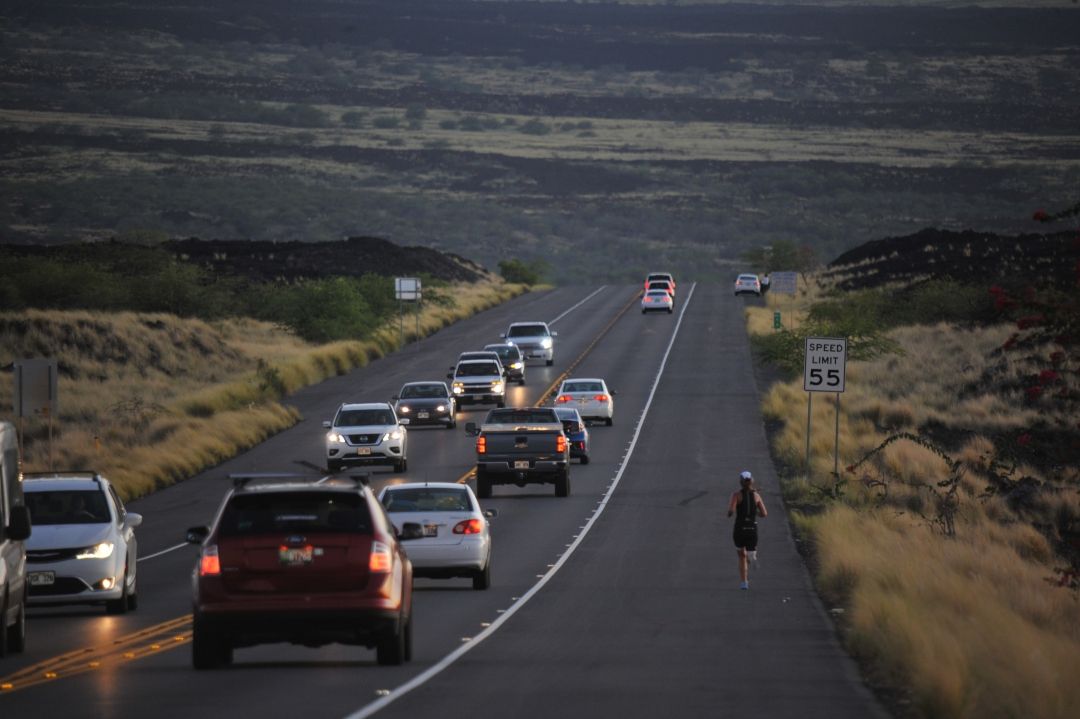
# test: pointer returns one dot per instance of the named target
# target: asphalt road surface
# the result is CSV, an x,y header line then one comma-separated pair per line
x,y
620,600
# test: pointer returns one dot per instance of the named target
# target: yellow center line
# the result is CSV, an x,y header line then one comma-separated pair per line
x,y
471,472
142,643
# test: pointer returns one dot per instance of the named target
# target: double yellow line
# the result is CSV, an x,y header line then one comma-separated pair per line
x,y
137,645
546,395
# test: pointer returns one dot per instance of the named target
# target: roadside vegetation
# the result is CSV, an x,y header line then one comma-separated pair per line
x,y
948,544
151,398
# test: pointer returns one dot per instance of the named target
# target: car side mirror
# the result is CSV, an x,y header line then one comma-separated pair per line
x,y
612,392
327,424
410,530
471,429
491,513
18,527
395,398
132,519
503,336
197,535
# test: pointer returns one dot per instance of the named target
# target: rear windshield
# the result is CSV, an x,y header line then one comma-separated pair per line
x,y
583,387
288,512
522,416
477,369
526,331
423,391
659,285
748,278
75,506
427,499
354,417
658,293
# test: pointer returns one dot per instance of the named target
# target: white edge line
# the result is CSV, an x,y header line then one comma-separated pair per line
x,y
579,304
163,551
422,678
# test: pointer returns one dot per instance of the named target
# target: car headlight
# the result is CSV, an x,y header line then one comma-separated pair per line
x,y
440,408
336,437
545,343
515,365
404,410
497,385
393,434
101,550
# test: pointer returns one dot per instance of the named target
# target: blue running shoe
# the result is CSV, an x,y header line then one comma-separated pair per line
x,y
744,585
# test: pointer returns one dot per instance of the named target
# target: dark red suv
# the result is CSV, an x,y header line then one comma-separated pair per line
x,y
308,562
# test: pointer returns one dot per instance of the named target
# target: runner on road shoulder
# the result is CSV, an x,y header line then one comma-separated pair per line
x,y
747,506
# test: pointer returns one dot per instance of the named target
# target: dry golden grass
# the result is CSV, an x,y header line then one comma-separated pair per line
x,y
969,624
151,399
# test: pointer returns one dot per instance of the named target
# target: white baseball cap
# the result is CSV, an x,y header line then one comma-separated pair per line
x,y
745,474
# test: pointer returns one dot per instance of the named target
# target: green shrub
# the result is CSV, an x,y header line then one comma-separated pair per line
x,y
386,122
531,273
535,127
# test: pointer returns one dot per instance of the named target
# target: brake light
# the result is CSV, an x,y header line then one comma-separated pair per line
x,y
380,560
560,443
209,562
601,398
564,398
469,526
481,445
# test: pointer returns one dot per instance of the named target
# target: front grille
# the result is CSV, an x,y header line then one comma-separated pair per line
x,y
63,585
37,556
363,438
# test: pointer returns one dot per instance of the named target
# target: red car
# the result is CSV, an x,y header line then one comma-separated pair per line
x,y
303,561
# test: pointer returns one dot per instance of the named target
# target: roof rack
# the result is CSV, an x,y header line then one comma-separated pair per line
x,y
241,479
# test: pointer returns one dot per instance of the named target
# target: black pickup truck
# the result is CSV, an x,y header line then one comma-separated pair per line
x,y
521,445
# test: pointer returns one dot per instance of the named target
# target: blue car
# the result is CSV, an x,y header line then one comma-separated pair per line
x,y
576,432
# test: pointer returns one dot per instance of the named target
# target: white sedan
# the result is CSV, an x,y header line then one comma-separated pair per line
x,y
590,396
657,301
747,284
457,537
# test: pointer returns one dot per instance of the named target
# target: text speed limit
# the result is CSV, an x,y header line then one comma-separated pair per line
x,y
826,359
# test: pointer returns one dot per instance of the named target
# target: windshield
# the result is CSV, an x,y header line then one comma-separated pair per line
x,y
289,512
423,391
427,499
477,369
356,417
527,331
506,352
522,416
68,507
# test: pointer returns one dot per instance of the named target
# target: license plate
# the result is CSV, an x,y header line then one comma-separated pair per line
x,y
363,450
431,530
521,464
42,579
422,415
583,401
293,556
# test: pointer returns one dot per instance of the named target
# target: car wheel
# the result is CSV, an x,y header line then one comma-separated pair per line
x,y
400,465
550,362
16,633
609,421
333,466
408,639
209,650
3,629
670,310
133,597
482,579
119,606
643,312
390,649
483,484
500,404
562,483
451,424
584,459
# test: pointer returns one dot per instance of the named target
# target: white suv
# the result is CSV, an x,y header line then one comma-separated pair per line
x,y
534,339
366,434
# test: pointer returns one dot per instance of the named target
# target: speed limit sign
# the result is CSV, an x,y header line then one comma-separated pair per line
x,y
826,359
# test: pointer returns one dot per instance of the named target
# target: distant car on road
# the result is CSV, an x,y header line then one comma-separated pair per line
x,y
660,285
535,340
590,396
304,561
747,284
481,355
577,434
426,403
456,538
83,548
661,277
368,433
657,301
478,382
512,360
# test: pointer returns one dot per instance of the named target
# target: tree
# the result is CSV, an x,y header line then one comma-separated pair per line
x,y
531,273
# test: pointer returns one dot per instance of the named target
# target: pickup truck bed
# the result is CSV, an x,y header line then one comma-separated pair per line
x,y
521,452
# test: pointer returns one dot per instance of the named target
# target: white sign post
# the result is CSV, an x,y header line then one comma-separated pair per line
x,y
407,289
824,370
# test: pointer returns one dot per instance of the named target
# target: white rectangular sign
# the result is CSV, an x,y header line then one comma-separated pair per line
x,y
783,283
35,387
407,288
826,360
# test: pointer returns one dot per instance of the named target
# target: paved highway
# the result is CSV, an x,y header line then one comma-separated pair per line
x,y
620,600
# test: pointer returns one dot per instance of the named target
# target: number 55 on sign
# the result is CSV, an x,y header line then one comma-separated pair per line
x,y
826,360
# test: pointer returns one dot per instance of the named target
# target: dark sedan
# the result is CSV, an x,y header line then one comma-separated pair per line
x,y
426,403
577,434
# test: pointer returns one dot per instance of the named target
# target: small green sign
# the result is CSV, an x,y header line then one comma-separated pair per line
x,y
776,321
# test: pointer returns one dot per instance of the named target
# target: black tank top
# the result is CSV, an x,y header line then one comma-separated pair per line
x,y
746,510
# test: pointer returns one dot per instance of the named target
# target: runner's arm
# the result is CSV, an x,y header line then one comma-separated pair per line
x,y
732,504
760,505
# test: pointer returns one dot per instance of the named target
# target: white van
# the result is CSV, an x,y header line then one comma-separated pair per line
x,y
14,528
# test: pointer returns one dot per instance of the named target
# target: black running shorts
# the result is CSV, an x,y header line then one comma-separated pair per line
x,y
746,538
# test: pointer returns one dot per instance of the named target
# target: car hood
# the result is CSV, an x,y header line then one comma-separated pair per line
x,y
423,402
478,378
67,536
364,428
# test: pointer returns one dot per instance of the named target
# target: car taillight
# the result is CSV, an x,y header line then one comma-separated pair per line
x,y
481,445
564,398
601,398
560,443
209,562
469,526
380,560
